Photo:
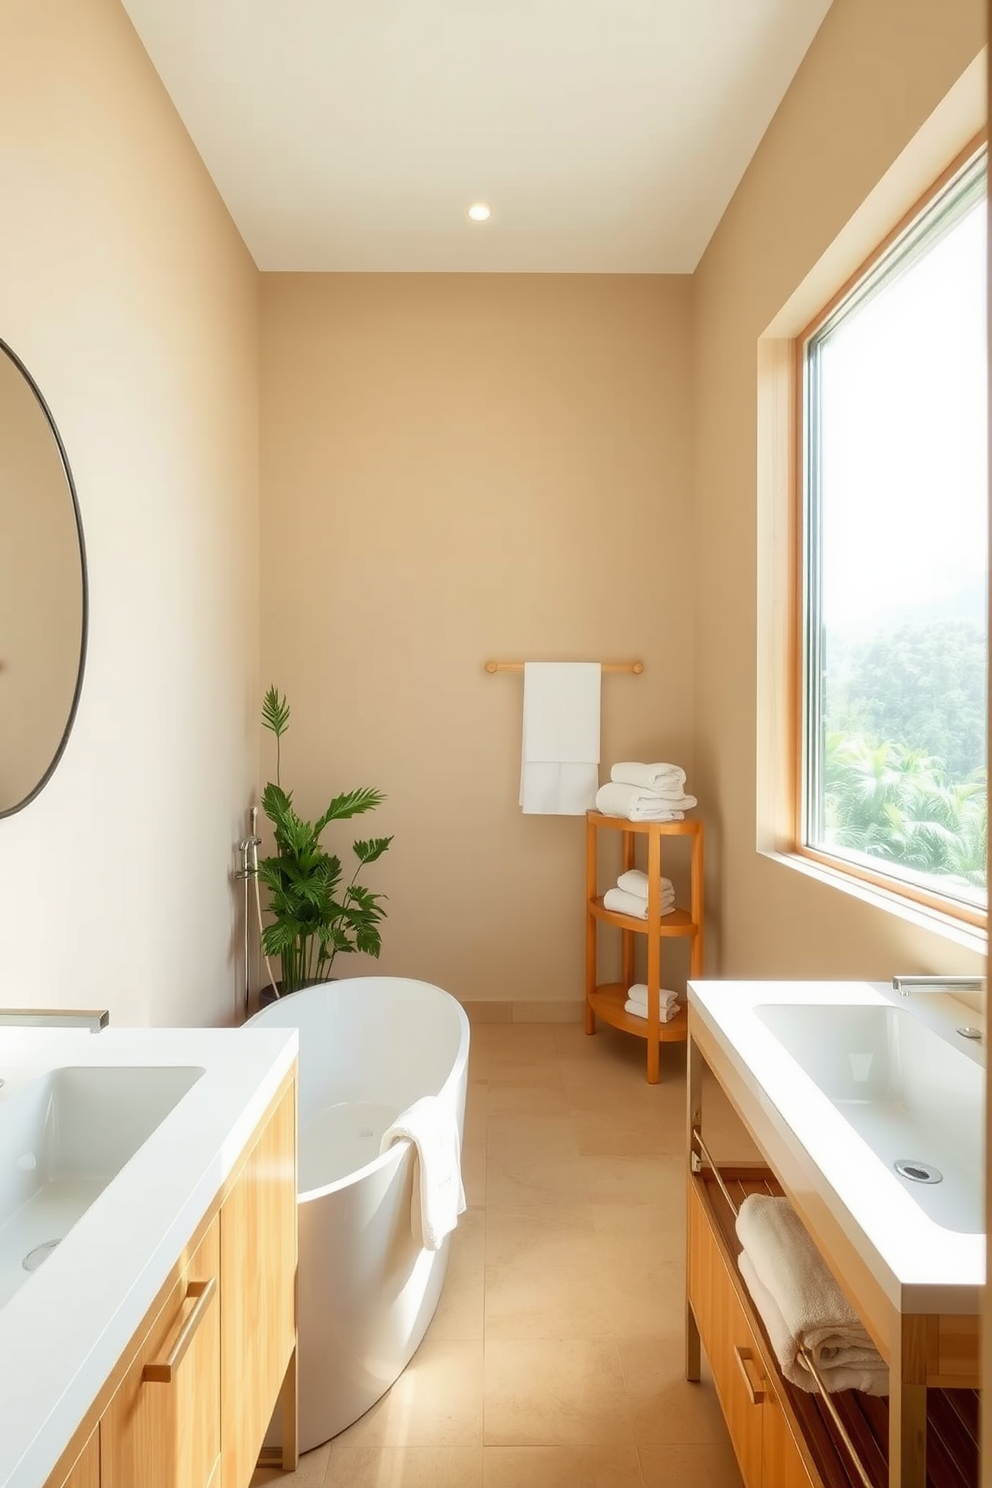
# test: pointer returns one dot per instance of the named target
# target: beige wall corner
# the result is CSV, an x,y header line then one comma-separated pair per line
x,y
852,144
130,296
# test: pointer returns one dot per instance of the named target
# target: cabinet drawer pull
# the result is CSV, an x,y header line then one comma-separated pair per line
x,y
165,1373
745,1357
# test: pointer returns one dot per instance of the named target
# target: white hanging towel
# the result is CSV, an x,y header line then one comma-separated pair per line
x,y
559,772
438,1194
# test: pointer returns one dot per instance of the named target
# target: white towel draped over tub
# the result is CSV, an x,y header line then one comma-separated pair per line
x,y
438,1194
559,772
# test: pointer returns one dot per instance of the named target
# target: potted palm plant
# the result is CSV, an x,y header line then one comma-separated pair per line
x,y
316,913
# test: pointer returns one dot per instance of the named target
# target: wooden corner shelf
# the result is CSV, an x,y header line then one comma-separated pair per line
x,y
606,1000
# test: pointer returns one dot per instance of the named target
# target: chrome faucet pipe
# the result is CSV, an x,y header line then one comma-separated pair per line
x,y
906,984
92,1018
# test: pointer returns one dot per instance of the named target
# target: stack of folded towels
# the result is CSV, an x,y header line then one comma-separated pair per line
x,y
637,1002
645,792
800,1303
630,895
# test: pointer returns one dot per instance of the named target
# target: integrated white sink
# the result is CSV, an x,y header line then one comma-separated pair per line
x,y
909,1094
63,1137
841,1081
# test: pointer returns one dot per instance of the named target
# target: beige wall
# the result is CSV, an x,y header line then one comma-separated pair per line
x,y
127,292
875,72
457,468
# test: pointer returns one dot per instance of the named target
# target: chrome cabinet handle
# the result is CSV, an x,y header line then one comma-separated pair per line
x,y
165,1373
745,1357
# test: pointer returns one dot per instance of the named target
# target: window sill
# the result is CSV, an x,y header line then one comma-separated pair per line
x,y
971,937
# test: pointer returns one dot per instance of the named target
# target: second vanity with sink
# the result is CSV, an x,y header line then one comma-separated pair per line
x,y
147,1255
866,1109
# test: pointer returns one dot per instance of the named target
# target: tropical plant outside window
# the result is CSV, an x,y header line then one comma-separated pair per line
x,y
894,631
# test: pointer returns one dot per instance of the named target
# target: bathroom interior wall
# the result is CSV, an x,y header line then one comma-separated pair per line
x,y
457,468
875,73
129,295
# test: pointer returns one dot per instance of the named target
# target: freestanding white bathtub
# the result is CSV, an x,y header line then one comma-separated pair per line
x,y
369,1047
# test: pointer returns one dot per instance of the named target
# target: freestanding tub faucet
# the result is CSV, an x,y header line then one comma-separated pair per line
x,y
906,984
92,1018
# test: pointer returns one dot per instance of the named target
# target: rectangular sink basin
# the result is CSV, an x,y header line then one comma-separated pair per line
x,y
63,1137
917,1101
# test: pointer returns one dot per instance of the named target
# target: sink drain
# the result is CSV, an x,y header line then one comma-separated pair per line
x,y
920,1172
34,1258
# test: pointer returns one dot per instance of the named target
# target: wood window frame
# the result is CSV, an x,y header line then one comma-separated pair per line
x,y
953,909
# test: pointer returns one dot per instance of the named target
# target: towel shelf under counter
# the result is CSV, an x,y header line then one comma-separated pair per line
x,y
783,1436
606,1000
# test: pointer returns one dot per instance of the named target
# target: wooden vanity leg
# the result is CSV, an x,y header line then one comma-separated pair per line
x,y
908,1408
288,1401
694,1121
590,925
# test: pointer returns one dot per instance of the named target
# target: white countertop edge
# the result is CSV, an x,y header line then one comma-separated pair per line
x,y
86,1333
921,1266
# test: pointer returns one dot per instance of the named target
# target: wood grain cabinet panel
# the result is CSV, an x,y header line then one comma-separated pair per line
x,y
258,1291
782,1465
86,1472
162,1428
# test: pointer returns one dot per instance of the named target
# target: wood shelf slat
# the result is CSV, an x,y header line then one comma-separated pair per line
x,y
607,1002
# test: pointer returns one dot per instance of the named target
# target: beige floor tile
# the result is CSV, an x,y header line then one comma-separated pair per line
x,y
460,1311
404,1467
475,1174
634,1180
633,1133
528,1100
538,1233
667,1410
540,1071
586,1298
521,1180
555,1393
689,1467
309,1474
436,1402
561,1467
540,1138
516,1039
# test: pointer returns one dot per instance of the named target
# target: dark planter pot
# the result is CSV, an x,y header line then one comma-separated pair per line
x,y
267,996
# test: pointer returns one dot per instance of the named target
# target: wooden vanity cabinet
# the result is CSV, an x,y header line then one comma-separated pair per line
x,y
86,1471
767,1451
190,1399
162,1428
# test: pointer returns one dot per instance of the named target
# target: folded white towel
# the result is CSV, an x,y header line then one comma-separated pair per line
x,y
639,993
854,1368
559,771
438,1194
638,804
790,1267
666,779
630,904
666,1012
634,881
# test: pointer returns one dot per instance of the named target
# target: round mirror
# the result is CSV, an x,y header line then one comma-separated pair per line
x,y
43,604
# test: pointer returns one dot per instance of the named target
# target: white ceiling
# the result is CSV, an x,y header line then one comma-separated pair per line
x,y
608,135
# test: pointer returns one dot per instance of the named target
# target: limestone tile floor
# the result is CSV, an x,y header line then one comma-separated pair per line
x,y
555,1357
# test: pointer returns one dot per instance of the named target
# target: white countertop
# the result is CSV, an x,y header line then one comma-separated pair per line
x,y
62,1333
922,1266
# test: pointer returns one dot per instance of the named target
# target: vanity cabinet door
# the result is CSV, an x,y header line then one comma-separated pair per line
x,y
162,1428
731,1347
258,1296
782,1462
86,1472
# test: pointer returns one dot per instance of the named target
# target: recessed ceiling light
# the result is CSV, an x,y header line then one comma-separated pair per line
x,y
480,212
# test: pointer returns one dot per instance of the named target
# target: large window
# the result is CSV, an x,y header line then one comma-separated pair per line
x,y
895,562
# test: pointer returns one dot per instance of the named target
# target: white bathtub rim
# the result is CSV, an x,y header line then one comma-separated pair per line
x,y
395,1153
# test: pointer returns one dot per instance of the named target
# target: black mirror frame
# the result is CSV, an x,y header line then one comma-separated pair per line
x,y
8,351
